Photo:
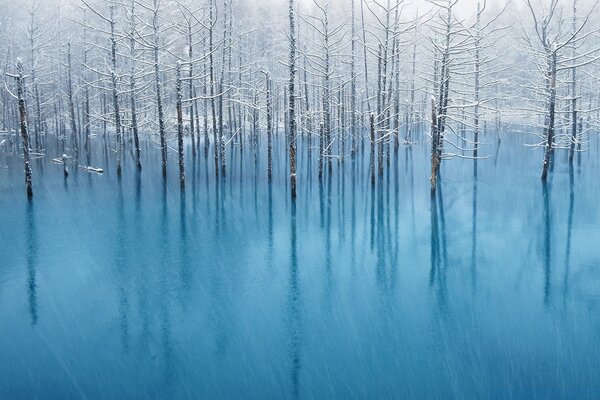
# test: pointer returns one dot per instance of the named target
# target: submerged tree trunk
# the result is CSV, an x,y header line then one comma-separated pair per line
x,y
180,126
115,92
435,161
573,89
74,134
477,82
193,104
86,111
222,92
212,86
159,104
551,116
269,130
23,126
372,159
132,88
353,82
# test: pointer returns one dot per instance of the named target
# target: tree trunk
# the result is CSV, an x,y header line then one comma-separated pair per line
x,y
269,131
180,127
159,104
24,129
115,92
551,116
74,135
292,102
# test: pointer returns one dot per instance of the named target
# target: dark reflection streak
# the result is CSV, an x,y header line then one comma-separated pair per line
x,y
309,174
474,230
579,154
223,199
434,240
342,196
497,152
241,172
547,249
207,181
194,182
294,303
372,224
32,262
270,228
143,292
217,201
328,257
396,216
412,188
165,326
389,215
438,249
380,238
321,205
121,263
443,226
353,218
256,177
569,232
184,262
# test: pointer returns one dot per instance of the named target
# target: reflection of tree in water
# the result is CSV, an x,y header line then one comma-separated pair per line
x,y
32,262
569,232
294,308
121,264
547,254
270,248
437,275
474,230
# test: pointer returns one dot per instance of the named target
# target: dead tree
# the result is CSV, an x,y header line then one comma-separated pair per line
x,y
158,84
20,78
212,22
269,127
74,134
180,149
133,87
292,101
548,47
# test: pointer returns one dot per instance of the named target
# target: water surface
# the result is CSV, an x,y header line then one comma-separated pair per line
x,y
130,288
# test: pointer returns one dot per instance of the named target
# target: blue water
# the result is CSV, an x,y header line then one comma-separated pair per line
x,y
128,289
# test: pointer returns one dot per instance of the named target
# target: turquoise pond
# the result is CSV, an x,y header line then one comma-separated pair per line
x,y
130,289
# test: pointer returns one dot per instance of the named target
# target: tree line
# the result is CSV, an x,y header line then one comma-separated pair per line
x,y
340,75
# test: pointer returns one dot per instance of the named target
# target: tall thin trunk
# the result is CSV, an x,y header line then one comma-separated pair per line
x,y
353,81
364,38
180,126
551,115
86,111
132,88
435,161
191,87
292,102
269,130
74,135
212,85
23,126
222,90
158,84
115,91
372,148
477,84
573,89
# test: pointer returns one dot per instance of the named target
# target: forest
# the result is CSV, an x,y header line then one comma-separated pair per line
x,y
389,73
